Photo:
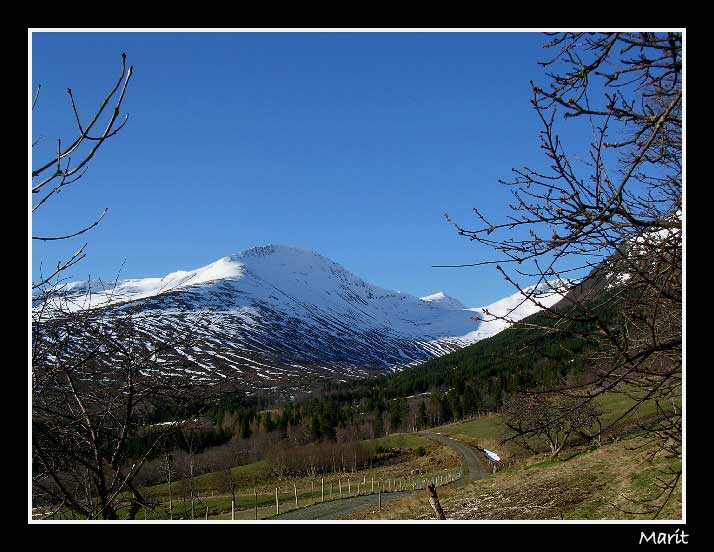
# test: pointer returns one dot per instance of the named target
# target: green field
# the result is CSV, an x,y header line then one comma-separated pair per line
x,y
256,483
399,441
255,474
489,431
485,428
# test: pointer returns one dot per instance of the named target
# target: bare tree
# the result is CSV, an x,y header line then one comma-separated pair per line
x,y
98,380
553,418
602,220
191,439
99,377
168,466
50,177
56,387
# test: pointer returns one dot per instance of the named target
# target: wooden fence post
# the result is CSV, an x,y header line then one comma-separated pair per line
x,y
296,499
434,501
233,509
206,513
349,486
373,484
277,502
322,488
339,484
379,499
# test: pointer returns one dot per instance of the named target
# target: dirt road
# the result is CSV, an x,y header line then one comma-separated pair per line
x,y
473,468
472,460
339,509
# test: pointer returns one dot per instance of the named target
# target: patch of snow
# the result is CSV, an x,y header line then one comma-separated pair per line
x,y
492,455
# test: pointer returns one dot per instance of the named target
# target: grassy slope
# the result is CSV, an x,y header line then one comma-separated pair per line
x,y
253,475
489,431
586,484
399,440
258,475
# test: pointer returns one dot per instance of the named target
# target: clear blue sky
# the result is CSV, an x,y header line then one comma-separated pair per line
x,y
350,144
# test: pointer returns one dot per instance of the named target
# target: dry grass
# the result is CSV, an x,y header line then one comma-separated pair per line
x,y
604,483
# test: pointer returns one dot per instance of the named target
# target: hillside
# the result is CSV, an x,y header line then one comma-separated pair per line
x,y
610,482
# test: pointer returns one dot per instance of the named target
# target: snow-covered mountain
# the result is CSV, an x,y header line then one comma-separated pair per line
x,y
283,318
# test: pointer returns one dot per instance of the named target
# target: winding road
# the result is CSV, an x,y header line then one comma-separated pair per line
x,y
471,460
473,468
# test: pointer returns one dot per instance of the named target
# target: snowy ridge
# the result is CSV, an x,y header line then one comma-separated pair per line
x,y
499,315
284,318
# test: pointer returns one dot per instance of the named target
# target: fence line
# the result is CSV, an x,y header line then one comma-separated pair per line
x,y
292,495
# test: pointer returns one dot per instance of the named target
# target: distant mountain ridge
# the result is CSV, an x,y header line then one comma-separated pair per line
x,y
284,318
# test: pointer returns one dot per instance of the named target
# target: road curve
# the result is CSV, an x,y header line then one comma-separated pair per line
x,y
471,460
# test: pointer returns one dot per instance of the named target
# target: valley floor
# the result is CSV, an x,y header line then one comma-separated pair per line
x,y
615,481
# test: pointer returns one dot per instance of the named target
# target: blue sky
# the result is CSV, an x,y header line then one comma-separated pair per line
x,y
350,144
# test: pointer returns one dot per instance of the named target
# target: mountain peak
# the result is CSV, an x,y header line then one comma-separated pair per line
x,y
274,249
442,300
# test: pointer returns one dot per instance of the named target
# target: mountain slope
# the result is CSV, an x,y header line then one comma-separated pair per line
x,y
282,318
